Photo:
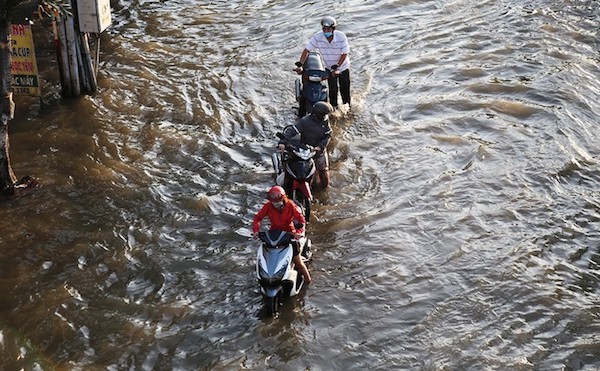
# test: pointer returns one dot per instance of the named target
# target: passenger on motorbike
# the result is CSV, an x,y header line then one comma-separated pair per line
x,y
284,215
315,131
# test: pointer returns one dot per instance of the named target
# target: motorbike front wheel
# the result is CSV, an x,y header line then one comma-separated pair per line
x,y
272,304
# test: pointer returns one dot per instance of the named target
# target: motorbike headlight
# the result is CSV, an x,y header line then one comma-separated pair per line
x,y
280,273
262,273
304,154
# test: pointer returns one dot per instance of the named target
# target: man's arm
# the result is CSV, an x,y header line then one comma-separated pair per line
x,y
303,56
342,59
299,217
258,218
326,138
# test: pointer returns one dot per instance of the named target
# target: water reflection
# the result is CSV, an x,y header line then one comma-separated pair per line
x,y
459,231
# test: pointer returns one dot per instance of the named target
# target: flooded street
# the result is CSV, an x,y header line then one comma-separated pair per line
x,y
460,231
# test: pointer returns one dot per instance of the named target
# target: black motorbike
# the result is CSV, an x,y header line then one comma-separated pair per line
x,y
294,171
312,87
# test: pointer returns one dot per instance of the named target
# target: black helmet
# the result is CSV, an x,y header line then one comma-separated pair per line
x,y
328,21
321,108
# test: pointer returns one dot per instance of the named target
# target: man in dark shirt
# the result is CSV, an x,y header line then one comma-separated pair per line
x,y
315,131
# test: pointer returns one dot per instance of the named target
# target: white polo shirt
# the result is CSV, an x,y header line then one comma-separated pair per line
x,y
331,51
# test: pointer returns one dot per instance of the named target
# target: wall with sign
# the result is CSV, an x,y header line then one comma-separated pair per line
x,y
25,77
94,15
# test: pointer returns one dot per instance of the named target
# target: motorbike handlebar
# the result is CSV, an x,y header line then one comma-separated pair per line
x,y
296,146
298,68
295,143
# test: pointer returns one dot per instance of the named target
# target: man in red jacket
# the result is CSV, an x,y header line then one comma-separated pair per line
x,y
284,215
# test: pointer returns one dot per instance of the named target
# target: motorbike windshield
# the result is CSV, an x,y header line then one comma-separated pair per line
x,y
314,61
276,238
304,153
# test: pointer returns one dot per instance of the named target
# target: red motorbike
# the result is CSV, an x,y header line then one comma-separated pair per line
x,y
294,170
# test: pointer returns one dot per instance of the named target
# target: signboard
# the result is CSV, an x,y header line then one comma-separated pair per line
x,y
94,15
25,78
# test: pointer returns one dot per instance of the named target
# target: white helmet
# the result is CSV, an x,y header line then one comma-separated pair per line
x,y
328,21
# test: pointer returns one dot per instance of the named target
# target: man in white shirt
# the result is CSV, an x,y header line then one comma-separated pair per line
x,y
333,46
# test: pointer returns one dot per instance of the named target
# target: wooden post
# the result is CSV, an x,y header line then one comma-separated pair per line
x,y
83,76
7,175
64,57
88,66
57,48
97,55
78,70
72,52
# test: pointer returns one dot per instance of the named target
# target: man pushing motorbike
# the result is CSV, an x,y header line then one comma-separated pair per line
x,y
284,215
334,47
314,131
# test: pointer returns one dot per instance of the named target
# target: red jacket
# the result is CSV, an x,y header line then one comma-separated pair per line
x,y
282,220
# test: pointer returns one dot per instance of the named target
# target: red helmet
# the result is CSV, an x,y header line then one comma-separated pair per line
x,y
276,194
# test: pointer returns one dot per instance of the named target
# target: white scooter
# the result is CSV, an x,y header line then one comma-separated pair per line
x,y
275,268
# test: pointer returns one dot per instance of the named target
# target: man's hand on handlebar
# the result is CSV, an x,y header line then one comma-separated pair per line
x,y
281,147
334,70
